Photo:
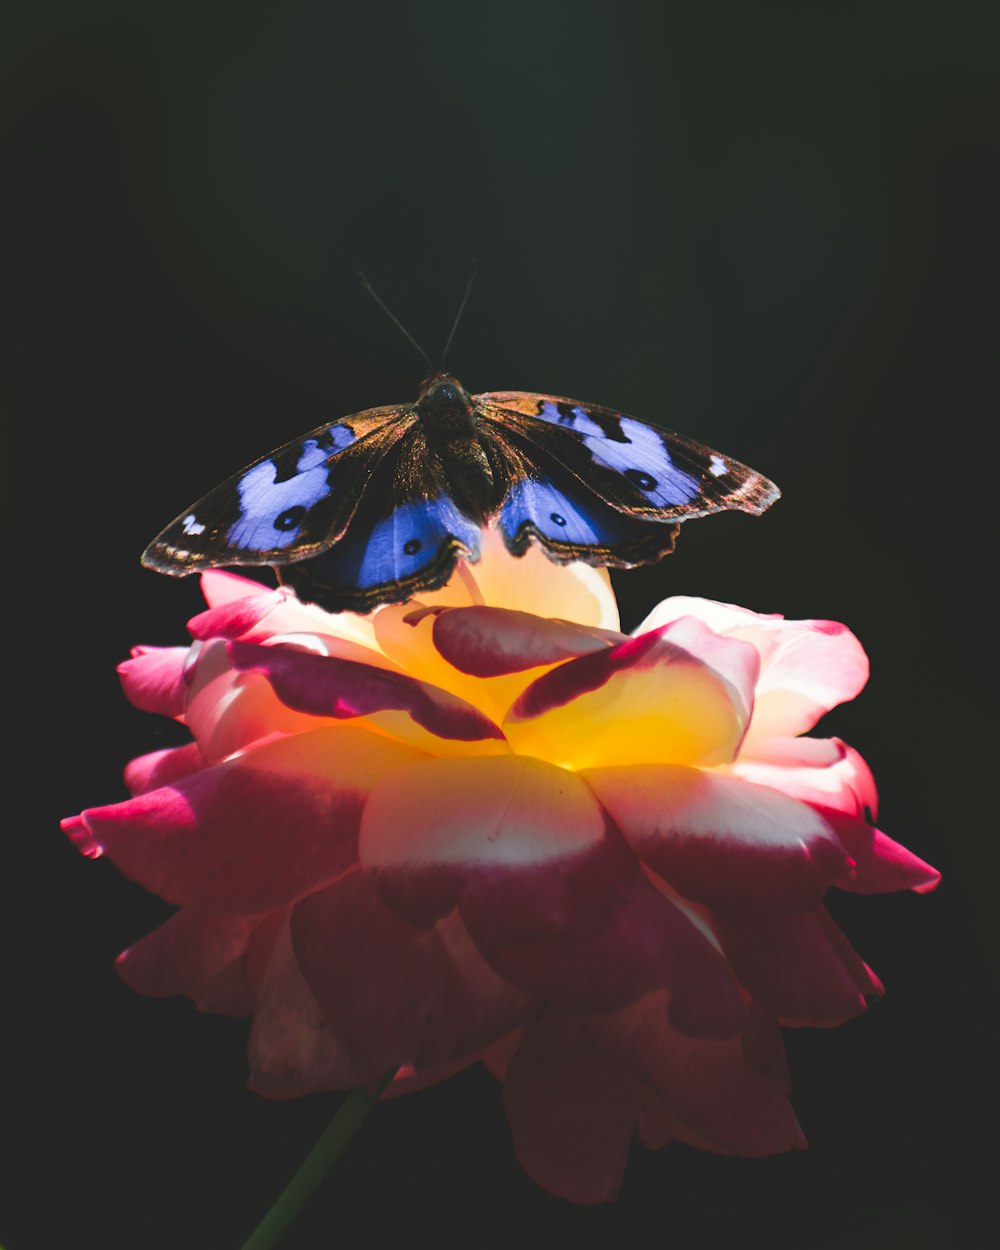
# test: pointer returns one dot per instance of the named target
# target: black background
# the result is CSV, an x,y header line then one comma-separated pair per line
x,y
768,226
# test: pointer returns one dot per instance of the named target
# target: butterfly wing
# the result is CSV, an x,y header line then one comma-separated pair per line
x,y
286,506
638,469
538,499
405,536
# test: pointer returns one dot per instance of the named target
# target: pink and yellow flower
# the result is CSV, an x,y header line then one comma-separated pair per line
x,y
490,826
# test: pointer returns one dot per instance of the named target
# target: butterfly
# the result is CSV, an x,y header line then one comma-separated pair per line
x,y
379,506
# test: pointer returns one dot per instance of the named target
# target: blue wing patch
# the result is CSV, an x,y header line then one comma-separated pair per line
x,y
390,559
407,541
639,454
273,503
539,507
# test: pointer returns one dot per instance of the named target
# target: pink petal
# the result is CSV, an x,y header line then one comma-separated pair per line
x,y
161,768
721,840
228,993
236,617
186,954
807,667
219,587
722,1101
572,1110
647,945
721,618
153,679
394,994
252,834
800,967
292,1050
268,614
551,896
228,711
430,830
822,771
882,865
491,642
680,694
328,686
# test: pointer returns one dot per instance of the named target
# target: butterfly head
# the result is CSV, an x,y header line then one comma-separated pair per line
x,y
444,406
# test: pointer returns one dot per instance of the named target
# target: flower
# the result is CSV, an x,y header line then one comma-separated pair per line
x,y
490,826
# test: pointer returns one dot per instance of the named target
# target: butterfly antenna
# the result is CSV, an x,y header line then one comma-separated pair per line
x,y
461,309
393,318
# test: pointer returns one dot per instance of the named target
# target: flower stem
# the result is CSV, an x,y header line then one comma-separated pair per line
x,y
351,1114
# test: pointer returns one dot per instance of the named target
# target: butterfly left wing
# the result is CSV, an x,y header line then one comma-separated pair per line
x,y
638,469
285,506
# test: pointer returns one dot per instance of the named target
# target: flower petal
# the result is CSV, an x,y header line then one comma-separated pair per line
x,y
161,768
550,894
572,1110
251,834
807,667
721,840
218,586
800,967
727,1103
228,710
516,824
492,642
395,994
292,1050
722,618
648,944
823,771
328,686
280,610
186,954
882,865
681,694
235,618
153,679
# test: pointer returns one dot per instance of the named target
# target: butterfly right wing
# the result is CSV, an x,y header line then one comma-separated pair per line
x,y
287,506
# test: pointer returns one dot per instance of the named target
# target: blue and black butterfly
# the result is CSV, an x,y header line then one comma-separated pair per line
x,y
380,506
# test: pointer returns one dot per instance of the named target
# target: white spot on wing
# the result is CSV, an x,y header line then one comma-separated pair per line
x,y
718,466
191,526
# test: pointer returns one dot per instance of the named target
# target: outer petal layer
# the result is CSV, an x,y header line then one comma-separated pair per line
x,y
716,1089
721,840
400,994
572,1110
153,679
226,838
187,955
801,967
549,892
807,667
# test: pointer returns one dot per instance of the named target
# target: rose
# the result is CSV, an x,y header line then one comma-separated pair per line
x,y
490,826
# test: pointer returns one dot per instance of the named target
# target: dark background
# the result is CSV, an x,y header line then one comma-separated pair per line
x,y
767,226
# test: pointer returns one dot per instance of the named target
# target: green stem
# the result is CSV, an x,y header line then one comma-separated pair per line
x,y
351,1114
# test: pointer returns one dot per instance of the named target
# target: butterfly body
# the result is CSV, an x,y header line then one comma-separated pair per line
x,y
380,506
